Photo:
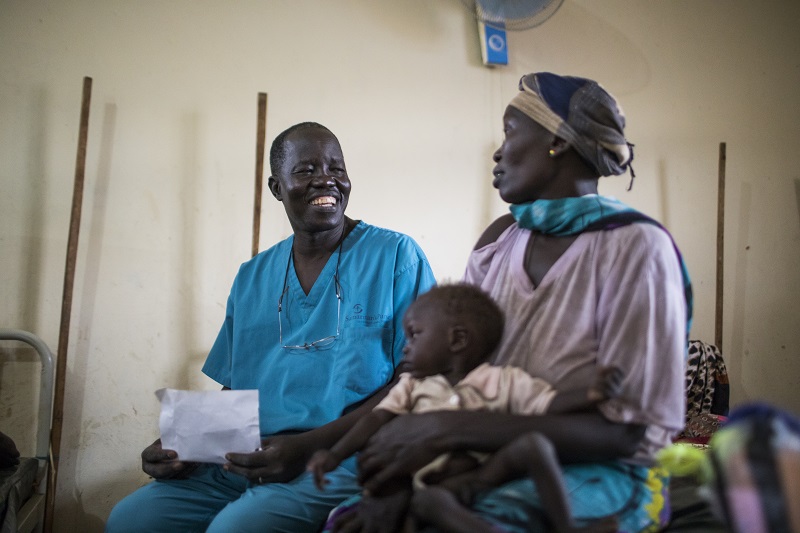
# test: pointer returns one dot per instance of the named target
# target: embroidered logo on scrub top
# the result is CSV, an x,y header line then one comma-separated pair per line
x,y
366,319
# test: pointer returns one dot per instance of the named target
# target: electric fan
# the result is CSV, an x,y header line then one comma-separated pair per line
x,y
512,14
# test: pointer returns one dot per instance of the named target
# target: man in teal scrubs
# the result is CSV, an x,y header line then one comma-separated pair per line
x,y
315,324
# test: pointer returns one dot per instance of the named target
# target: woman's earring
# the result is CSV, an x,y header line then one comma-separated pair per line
x,y
552,153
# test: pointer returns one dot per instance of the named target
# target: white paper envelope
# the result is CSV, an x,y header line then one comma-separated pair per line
x,y
204,426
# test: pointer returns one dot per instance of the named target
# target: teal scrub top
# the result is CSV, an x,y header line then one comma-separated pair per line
x,y
380,273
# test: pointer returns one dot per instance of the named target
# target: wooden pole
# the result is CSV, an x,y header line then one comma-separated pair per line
x,y
66,306
720,245
261,130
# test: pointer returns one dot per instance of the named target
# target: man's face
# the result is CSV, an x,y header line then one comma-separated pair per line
x,y
312,182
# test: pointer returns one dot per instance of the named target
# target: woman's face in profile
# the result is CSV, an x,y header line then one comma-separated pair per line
x,y
524,171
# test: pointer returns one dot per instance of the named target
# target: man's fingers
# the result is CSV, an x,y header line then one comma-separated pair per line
x,y
164,470
154,454
250,473
254,459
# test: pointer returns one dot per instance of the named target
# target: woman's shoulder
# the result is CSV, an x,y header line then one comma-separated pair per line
x,y
639,246
494,230
639,237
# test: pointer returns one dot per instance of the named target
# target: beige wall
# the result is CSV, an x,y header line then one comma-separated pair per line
x,y
170,164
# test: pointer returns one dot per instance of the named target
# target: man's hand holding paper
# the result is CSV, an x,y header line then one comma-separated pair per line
x,y
204,426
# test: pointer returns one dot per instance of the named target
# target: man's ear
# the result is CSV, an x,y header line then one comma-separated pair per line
x,y
275,188
458,337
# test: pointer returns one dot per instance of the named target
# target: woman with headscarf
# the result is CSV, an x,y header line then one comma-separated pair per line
x,y
585,281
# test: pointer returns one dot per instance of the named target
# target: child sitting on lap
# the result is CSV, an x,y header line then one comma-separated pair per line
x,y
451,331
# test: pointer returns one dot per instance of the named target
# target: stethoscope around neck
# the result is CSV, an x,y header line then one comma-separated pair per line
x,y
325,341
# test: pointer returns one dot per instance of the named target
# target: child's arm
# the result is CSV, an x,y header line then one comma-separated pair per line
x,y
326,460
608,384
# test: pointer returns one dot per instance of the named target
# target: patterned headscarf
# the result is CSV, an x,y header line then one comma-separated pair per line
x,y
582,113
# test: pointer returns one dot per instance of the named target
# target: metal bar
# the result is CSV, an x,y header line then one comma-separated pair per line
x,y
45,389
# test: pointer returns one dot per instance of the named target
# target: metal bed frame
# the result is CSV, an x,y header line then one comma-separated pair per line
x,y
30,515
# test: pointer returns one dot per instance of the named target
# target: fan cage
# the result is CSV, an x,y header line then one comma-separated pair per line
x,y
513,14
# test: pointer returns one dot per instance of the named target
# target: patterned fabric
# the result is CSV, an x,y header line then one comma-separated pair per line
x,y
707,388
592,212
707,392
582,113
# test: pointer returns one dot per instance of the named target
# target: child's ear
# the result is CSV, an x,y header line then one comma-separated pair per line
x,y
458,338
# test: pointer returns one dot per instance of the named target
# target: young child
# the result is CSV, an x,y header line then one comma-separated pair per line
x,y
451,331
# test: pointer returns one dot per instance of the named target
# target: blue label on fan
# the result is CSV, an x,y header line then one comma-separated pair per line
x,y
493,44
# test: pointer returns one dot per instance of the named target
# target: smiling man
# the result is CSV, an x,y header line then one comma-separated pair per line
x,y
315,325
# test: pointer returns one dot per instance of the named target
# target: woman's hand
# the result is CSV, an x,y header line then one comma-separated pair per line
x,y
280,459
401,448
163,464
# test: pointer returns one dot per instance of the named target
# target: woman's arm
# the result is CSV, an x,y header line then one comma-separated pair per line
x,y
409,442
607,384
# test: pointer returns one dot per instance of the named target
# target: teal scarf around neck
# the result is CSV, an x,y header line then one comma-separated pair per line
x,y
562,217
568,216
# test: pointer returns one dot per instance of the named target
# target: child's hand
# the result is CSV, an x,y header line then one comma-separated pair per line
x,y
321,462
608,384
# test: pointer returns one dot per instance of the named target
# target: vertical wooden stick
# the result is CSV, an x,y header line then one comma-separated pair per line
x,y
261,130
66,306
720,246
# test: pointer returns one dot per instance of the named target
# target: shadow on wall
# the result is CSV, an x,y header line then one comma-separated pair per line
x,y
492,203
422,23
73,506
190,192
541,48
663,192
69,509
35,204
419,23
736,360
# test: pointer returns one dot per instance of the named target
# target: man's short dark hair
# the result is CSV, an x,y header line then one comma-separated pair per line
x,y
277,152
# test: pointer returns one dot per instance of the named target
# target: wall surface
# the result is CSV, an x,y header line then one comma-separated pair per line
x,y
167,205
